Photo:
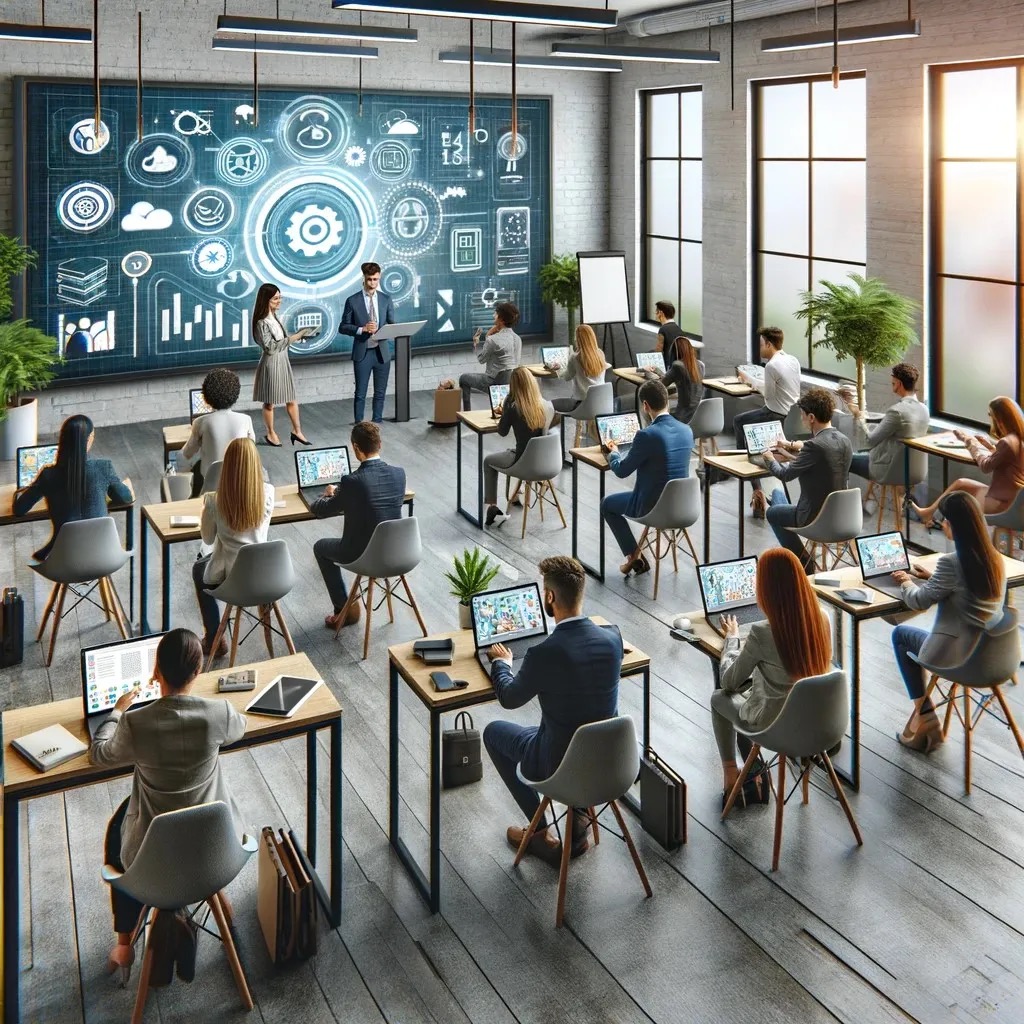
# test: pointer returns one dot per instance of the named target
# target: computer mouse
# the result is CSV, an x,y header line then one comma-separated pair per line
x,y
681,622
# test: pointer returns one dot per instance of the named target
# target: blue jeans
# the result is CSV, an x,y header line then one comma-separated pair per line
x,y
327,552
208,606
859,464
907,640
780,515
613,509
506,744
371,363
762,415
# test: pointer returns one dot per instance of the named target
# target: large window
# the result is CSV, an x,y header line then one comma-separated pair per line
x,y
976,236
809,200
671,197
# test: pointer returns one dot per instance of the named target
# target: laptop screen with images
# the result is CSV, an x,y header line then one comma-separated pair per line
x,y
761,436
503,615
725,585
620,427
321,466
651,360
498,393
554,354
110,670
197,404
882,554
32,459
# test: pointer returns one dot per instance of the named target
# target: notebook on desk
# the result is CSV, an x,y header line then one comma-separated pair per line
x,y
880,555
513,616
498,393
620,427
730,588
550,355
33,458
111,670
197,404
315,468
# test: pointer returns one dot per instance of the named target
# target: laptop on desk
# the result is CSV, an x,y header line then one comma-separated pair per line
x,y
315,468
33,458
620,427
498,393
513,616
761,436
110,670
880,555
554,354
650,361
730,588
197,404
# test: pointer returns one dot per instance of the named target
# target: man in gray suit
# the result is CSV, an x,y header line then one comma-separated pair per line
x,y
821,464
908,417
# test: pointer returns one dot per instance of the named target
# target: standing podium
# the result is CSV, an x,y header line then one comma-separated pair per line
x,y
402,335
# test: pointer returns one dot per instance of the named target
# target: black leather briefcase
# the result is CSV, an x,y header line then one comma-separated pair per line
x,y
662,801
461,760
12,628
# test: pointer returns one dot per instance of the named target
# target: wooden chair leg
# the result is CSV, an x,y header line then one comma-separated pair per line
x,y
58,612
740,779
224,619
841,796
693,550
538,497
657,561
284,627
805,782
229,948
595,828
147,967
268,635
632,849
353,595
414,605
563,871
101,586
119,608
526,507
1011,723
558,504
234,637
387,595
780,804
50,601
897,504
537,818
369,617
968,727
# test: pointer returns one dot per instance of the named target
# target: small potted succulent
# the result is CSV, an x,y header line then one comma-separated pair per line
x,y
472,574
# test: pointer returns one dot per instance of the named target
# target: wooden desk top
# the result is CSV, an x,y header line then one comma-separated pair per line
x,y
175,436
465,666
729,386
480,421
38,514
933,444
19,774
592,456
540,370
159,514
738,466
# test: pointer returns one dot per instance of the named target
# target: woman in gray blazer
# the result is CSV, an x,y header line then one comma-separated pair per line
x,y
968,586
757,674
174,744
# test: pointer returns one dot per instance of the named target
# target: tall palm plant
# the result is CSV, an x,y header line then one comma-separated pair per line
x,y
864,321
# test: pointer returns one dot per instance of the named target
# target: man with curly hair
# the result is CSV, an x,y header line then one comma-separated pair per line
x,y
214,431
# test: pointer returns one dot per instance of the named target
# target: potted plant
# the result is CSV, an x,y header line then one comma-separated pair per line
x,y
27,358
15,259
560,283
864,321
473,574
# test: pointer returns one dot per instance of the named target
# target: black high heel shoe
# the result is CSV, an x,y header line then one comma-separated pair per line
x,y
299,440
273,444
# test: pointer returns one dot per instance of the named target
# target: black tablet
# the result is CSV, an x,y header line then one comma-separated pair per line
x,y
283,696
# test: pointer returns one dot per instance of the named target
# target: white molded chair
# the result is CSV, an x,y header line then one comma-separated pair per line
x,y
838,522
707,422
538,467
675,511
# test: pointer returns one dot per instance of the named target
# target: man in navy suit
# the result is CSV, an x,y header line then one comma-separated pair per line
x,y
365,312
574,673
372,494
659,453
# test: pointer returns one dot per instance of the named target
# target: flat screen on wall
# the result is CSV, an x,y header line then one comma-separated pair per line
x,y
151,251
604,292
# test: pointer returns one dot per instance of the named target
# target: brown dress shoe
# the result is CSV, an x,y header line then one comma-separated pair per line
x,y
354,613
544,844
759,504
222,647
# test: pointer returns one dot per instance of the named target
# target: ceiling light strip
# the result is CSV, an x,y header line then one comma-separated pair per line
x,y
637,53
231,24
847,36
503,59
491,10
309,49
45,33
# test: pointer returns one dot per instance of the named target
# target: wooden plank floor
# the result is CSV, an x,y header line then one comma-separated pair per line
x,y
924,923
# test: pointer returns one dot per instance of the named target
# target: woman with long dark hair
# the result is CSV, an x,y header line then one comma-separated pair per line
x,y
968,585
758,673
1003,458
686,372
75,486
274,383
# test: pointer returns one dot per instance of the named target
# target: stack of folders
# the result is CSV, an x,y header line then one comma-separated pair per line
x,y
49,747
286,898
435,652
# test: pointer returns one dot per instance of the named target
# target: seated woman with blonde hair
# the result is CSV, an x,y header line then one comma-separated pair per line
x,y
758,673
1003,458
585,367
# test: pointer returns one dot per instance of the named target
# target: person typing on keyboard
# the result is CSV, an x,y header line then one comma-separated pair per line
x,y
574,674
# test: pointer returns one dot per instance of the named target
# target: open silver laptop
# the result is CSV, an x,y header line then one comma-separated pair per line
x,y
760,437
881,555
33,458
554,354
315,468
620,427
650,361
110,670
513,616
197,404
730,588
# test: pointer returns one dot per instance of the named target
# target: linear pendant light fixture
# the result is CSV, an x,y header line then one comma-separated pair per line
x,y
236,24
880,33
491,10
658,55
304,49
44,33
503,59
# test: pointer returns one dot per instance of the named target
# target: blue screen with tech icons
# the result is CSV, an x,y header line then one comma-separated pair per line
x,y
151,251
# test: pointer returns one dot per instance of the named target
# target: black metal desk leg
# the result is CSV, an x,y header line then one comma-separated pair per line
x,y
741,518
707,513
855,706
336,826
311,795
458,465
393,755
480,480
435,811
601,528
575,507
143,577
129,543
165,586
647,707
906,488
12,913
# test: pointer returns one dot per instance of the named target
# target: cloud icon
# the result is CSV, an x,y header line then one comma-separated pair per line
x,y
159,162
146,217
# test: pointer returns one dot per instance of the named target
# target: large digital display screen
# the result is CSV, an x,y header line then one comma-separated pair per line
x,y
151,251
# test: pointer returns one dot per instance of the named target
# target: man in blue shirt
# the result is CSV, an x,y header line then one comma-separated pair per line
x,y
659,453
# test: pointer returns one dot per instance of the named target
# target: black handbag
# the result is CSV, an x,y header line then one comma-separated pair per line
x,y
662,801
12,628
461,762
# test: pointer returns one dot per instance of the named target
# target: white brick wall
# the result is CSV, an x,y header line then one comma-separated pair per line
x,y
177,48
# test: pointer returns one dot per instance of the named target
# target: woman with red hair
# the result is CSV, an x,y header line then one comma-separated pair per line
x,y
758,673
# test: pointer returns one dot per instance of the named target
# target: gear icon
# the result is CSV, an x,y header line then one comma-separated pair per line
x,y
314,230
355,156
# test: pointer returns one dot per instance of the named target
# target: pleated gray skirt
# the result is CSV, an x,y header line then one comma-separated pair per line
x,y
274,383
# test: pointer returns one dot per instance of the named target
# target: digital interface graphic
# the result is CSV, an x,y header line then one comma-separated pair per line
x,y
321,466
33,459
498,393
652,360
113,671
550,355
620,428
761,436
197,403
151,251
728,584
882,554
507,615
